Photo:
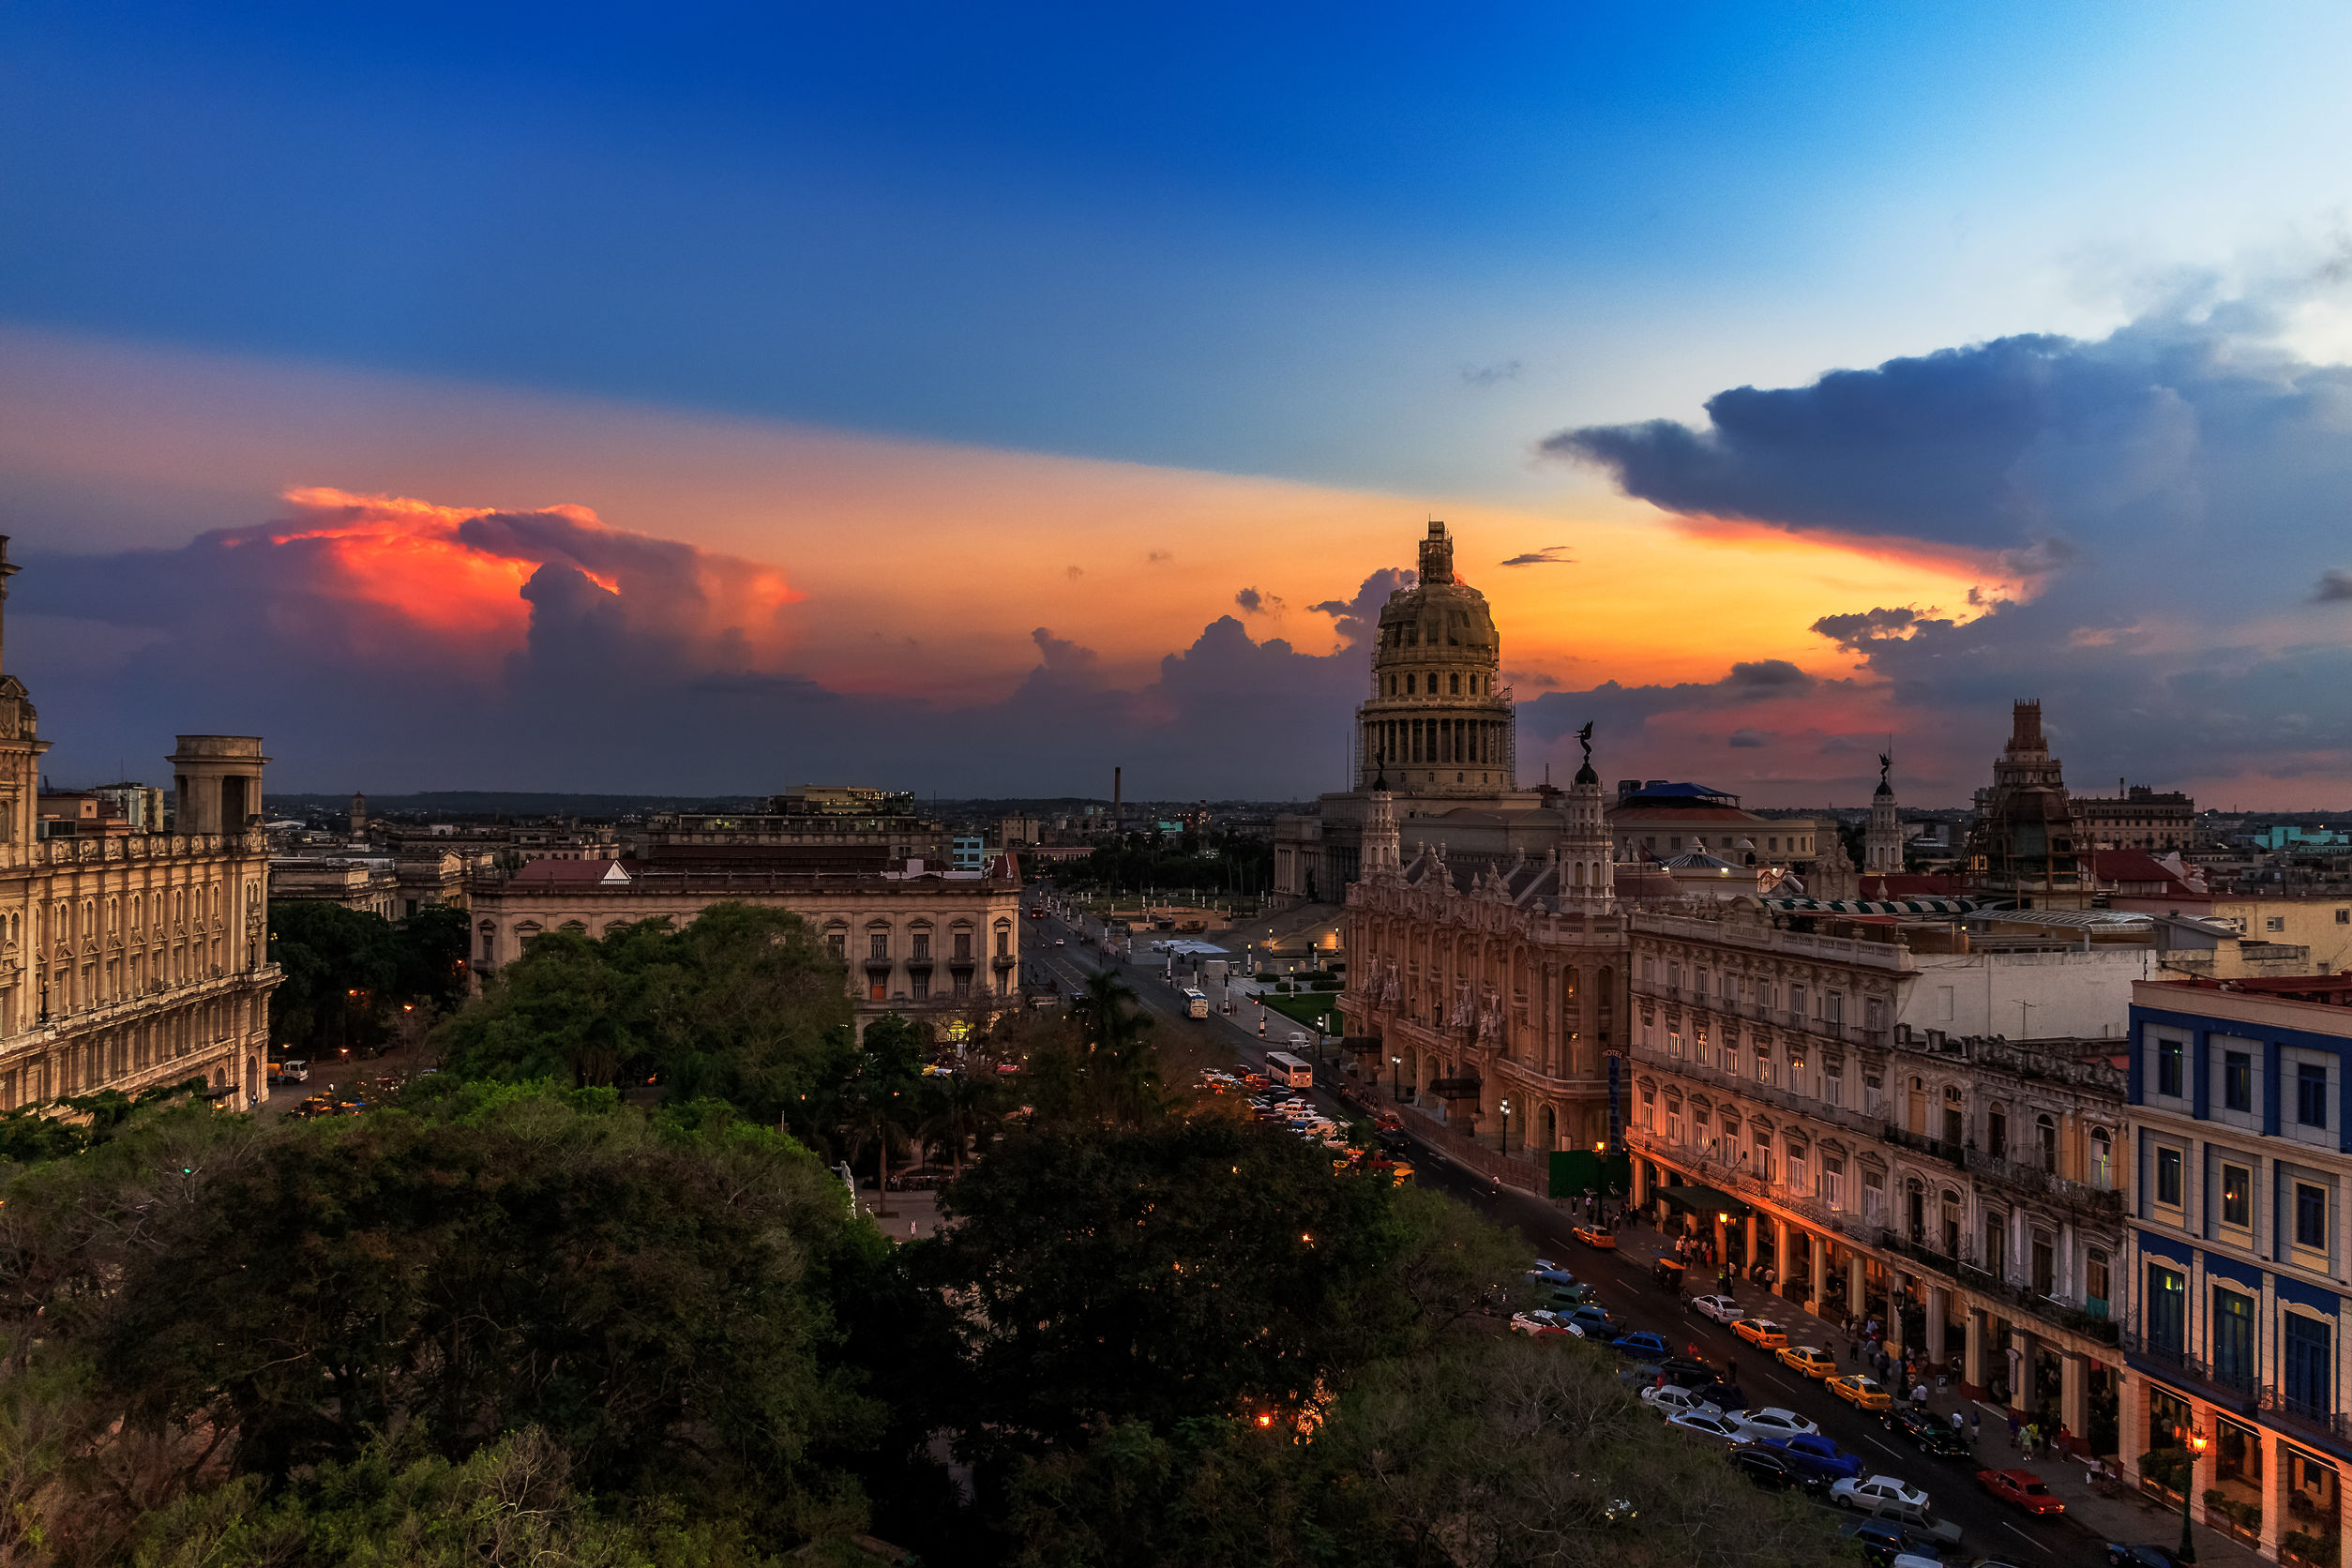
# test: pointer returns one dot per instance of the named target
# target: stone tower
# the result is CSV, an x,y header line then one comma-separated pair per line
x,y
1383,852
217,783
20,747
1587,857
359,815
2024,840
1882,845
1439,722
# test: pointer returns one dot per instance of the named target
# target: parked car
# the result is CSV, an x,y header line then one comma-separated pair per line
x,y
1670,1400
1723,1310
1682,1372
1543,1325
1817,1456
1928,1434
2141,1555
1771,1468
1771,1421
1646,1347
1698,1424
2022,1488
1806,1359
1888,1545
1891,1499
1550,1273
1726,1395
1863,1393
1574,1295
1762,1333
1592,1315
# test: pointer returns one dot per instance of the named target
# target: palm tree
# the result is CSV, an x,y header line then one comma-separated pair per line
x,y
1118,1043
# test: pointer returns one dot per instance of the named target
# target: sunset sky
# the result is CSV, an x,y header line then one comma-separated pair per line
x,y
966,400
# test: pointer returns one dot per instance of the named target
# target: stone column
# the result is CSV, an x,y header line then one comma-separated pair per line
x,y
1780,1257
1938,1304
1818,1271
2021,1380
1722,1249
2273,1491
1747,1241
1972,1357
2074,1401
1854,1285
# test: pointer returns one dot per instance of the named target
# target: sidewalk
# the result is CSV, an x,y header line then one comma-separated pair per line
x,y
2129,1517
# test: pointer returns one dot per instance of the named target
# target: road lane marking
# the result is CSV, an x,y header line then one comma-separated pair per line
x,y
1895,1451
2022,1536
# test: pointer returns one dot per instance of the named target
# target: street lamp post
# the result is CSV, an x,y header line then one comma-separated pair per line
x,y
1506,1128
1396,1077
2192,1445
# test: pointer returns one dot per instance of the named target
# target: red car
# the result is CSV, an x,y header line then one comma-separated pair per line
x,y
2022,1488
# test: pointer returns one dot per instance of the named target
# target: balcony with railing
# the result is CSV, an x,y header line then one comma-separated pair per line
x,y
2034,1181
2227,1389
1935,1148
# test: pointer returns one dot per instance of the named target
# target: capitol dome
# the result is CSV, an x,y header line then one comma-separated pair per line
x,y
1439,721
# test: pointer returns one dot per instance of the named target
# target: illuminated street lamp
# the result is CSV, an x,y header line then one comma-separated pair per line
x,y
2192,1444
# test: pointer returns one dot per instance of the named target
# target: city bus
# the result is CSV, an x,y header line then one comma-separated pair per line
x,y
1195,1003
1289,1070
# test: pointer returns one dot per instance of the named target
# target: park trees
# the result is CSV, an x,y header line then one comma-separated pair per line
x,y
350,976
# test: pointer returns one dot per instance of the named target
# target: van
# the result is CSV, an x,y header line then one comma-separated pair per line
x,y
291,1070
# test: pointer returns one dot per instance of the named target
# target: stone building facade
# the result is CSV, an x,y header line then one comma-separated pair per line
x,y
1969,1182
1496,997
933,945
133,960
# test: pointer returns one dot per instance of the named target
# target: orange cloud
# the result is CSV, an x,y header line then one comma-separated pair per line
x,y
457,574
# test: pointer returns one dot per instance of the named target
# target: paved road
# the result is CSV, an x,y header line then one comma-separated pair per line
x,y
1990,1530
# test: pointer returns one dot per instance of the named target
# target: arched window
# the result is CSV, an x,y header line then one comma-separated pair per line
x,y
2102,1159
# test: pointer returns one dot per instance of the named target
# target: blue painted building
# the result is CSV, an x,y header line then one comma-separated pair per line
x,y
2240,1238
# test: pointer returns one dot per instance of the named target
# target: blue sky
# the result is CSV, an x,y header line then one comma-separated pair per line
x,y
1379,249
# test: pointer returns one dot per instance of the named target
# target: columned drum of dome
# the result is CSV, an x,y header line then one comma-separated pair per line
x,y
1439,722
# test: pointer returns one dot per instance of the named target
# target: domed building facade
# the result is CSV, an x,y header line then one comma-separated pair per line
x,y
1439,719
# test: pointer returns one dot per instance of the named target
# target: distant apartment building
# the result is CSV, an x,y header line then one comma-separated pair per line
x,y
809,827
2137,818
368,886
2240,1142
922,939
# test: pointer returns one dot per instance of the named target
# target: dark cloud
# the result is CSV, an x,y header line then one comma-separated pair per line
x,y
1254,603
1548,556
1745,737
1492,375
1358,620
1621,711
2136,498
1865,626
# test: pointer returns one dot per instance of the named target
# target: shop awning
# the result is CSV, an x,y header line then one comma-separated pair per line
x,y
1705,1202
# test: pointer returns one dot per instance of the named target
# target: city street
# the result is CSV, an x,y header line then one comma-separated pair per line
x,y
1991,1529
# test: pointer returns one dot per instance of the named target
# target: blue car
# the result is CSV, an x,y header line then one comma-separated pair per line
x,y
1595,1320
1817,1457
1550,1273
1643,1347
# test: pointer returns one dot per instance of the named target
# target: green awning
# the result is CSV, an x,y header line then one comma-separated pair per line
x,y
1706,1202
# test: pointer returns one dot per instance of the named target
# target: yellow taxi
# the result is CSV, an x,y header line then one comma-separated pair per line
x,y
1811,1361
1762,1333
1862,1393
1593,1235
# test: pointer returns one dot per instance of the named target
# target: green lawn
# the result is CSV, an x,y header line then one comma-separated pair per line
x,y
1308,1008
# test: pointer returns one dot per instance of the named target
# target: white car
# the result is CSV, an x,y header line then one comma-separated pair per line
x,y
1884,1495
1537,1325
1723,1310
1678,1401
1699,1424
1774,1422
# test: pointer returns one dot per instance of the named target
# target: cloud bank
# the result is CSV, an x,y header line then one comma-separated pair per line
x,y
2167,493
387,644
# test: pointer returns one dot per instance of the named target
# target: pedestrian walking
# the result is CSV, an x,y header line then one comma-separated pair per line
x,y
1853,1348
2015,1427
1959,1425
1976,1427
1918,1397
